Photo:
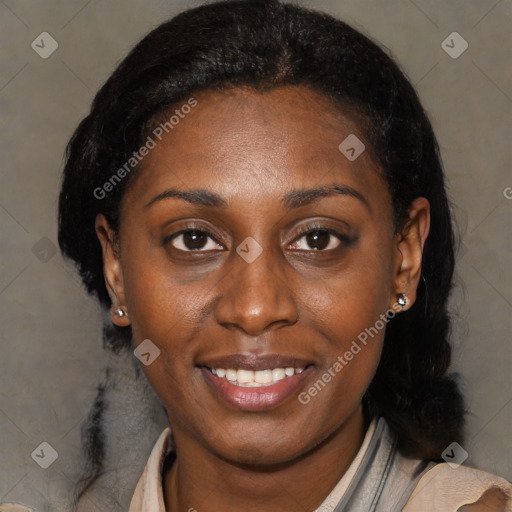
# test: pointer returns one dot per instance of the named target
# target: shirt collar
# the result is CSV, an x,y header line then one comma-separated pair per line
x,y
149,494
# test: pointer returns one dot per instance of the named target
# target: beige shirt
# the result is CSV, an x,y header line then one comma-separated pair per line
x,y
442,489
14,507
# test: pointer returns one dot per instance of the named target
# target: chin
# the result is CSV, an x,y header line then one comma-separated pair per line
x,y
262,457
259,452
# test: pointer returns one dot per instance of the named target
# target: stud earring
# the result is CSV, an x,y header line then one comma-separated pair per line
x,y
402,300
120,312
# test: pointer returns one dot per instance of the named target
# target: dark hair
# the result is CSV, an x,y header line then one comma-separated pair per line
x,y
263,44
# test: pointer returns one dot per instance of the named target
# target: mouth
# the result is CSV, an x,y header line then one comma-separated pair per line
x,y
255,383
255,379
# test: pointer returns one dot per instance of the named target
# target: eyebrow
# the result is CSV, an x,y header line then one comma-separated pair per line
x,y
293,199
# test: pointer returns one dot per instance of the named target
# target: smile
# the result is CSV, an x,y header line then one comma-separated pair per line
x,y
251,379
255,390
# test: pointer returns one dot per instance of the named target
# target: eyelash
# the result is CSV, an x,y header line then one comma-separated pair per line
x,y
344,239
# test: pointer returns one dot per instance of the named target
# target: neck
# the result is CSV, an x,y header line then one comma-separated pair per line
x,y
199,480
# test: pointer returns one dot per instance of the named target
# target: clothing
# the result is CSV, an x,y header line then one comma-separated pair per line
x,y
379,479
337,493
14,507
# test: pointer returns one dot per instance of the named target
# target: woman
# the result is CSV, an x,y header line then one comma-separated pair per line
x,y
257,198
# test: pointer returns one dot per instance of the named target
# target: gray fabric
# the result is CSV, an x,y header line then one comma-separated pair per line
x,y
385,479
124,423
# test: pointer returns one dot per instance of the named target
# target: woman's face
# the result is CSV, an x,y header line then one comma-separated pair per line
x,y
227,277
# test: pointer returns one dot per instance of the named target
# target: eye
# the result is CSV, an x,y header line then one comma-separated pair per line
x,y
193,240
319,238
316,238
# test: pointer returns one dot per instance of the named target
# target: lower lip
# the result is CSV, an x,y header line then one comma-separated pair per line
x,y
256,398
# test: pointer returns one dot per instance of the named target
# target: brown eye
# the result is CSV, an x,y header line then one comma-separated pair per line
x,y
318,239
193,240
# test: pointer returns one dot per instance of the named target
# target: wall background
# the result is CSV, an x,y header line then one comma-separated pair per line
x,y
50,331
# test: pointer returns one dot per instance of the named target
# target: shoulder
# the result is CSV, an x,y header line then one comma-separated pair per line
x,y
447,489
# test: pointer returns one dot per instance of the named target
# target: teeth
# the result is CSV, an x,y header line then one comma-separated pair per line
x,y
244,376
250,378
278,374
231,375
263,376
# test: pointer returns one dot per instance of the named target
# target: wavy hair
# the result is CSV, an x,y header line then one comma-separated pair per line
x,y
263,44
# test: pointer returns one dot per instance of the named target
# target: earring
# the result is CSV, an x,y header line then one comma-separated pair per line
x,y
402,300
120,312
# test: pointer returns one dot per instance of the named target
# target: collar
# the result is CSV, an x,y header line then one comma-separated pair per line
x,y
149,495
379,479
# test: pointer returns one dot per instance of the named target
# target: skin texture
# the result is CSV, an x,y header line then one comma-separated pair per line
x,y
302,297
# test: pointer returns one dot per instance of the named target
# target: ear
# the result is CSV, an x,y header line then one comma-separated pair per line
x,y
410,242
112,271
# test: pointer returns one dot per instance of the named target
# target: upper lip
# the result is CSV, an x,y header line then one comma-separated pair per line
x,y
255,362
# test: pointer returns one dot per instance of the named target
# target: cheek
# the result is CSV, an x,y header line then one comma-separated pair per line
x,y
354,298
350,313
166,314
157,304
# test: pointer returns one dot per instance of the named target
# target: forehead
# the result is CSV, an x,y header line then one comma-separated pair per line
x,y
245,144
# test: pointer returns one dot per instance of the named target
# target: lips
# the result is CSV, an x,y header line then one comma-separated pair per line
x,y
255,396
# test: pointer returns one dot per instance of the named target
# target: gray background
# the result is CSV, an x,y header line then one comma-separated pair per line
x,y
50,332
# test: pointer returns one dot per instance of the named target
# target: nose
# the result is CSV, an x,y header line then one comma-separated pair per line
x,y
256,296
